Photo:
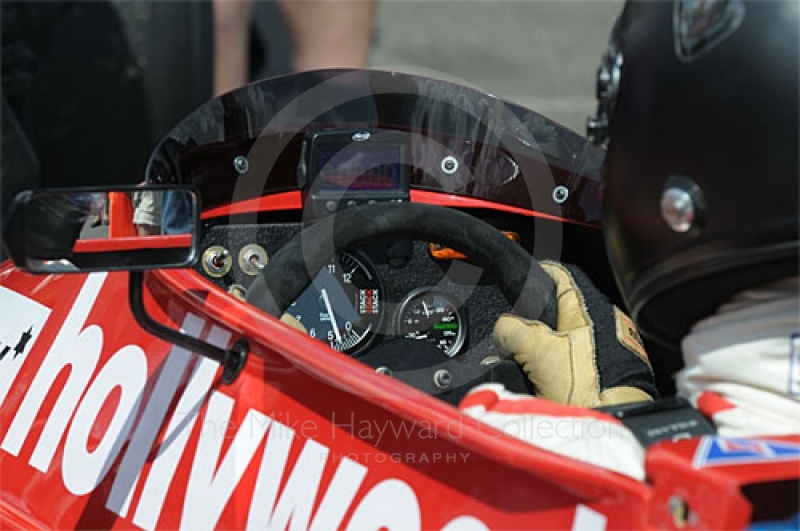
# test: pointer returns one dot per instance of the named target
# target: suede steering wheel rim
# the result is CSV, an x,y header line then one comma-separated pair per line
x,y
528,289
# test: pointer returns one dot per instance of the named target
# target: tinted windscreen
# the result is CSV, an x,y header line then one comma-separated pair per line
x,y
248,143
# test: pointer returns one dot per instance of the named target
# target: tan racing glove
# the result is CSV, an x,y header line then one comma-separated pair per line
x,y
594,358
292,321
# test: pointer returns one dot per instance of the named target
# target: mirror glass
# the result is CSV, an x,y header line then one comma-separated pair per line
x,y
83,230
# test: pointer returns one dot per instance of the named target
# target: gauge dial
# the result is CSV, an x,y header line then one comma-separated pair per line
x,y
343,304
435,317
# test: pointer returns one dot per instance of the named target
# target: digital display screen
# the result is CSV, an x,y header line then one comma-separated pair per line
x,y
360,167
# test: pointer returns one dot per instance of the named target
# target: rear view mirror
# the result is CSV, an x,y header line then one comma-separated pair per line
x,y
103,229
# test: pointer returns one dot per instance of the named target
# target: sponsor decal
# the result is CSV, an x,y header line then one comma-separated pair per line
x,y
628,335
19,348
18,331
719,451
287,492
587,519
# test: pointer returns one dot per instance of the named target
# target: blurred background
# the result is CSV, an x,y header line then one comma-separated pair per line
x,y
540,53
90,86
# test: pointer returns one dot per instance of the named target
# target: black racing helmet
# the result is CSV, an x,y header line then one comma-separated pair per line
x,y
698,104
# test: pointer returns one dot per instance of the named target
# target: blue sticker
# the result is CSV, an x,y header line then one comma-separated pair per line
x,y
790,524
719,451
794,365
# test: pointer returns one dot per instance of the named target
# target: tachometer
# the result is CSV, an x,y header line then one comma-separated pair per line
x,y
435,317
343,304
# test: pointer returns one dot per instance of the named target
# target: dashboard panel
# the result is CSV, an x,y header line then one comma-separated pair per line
x,y
393,139
405,268
450,304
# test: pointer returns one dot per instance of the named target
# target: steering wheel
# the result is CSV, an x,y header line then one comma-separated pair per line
x,y
528,289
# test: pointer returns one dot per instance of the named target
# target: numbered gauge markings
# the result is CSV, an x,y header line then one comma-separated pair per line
x,y
343,305
435,317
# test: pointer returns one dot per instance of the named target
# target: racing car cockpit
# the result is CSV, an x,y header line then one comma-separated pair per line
x,y
390,219
393,216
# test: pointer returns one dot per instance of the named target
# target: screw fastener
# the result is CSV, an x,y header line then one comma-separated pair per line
x,y
449,165
560,194
678,209
443,379
681,515
241,164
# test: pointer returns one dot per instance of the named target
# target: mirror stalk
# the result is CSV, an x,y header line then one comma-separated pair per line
x,y
232,359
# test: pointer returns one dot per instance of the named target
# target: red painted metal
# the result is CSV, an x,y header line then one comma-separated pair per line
x,y
291,200
712,494
297,381
132,243
211,458
461,201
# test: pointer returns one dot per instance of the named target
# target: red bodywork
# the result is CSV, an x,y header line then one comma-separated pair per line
x,y
103,425
128,243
